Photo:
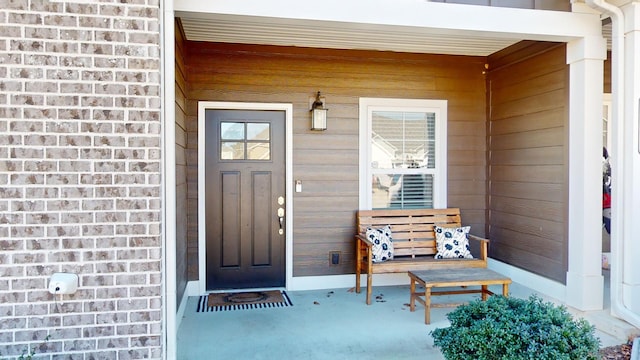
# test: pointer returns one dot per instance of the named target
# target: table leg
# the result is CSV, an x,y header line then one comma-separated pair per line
x,y
505,289
485,292
412,291
427,305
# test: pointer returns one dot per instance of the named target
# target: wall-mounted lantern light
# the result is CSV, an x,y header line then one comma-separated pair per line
x,y
318,114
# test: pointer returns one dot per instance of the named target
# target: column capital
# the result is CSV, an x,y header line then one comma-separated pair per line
x,y
589,47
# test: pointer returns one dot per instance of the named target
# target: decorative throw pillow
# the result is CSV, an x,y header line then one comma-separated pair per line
x,y
452,243
382,249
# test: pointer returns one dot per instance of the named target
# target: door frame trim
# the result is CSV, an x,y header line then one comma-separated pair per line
x,y
203,106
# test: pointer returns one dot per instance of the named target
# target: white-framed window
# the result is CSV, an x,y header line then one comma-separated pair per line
x,y
403,153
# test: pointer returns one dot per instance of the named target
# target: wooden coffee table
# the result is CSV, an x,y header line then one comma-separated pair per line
x,y
451,278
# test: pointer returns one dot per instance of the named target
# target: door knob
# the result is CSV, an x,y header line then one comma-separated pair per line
x,y
281,220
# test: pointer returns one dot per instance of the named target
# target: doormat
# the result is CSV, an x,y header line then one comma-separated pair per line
x,y
243,301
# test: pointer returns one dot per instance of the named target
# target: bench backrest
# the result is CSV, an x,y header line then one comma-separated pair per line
x,y
412,230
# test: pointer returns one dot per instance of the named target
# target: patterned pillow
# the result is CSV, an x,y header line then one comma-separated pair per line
x,y
382,248
452,243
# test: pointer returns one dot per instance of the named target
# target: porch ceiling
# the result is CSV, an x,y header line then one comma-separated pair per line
x,y
336,35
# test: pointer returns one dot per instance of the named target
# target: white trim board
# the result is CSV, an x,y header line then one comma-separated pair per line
x,y
193,288
190,290
202,241
532,281
170,321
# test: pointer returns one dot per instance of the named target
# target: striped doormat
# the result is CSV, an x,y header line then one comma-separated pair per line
x,y
243,301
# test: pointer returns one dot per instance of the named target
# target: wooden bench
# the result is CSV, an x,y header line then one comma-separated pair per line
x,y
414,242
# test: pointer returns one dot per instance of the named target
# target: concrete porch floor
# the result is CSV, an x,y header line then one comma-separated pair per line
x,y
337,324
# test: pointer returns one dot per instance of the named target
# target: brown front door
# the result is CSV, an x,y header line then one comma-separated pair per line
x,y
245,188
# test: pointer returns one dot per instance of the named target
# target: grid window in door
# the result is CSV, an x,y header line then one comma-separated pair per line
x,y
245,141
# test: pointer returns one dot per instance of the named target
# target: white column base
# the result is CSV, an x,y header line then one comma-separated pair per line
x,y
631,294
585,292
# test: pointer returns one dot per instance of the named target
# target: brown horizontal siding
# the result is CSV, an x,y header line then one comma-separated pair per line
x,y
326,172
308,259
465,158
550,155
545,231
528,152
536,138
531,121
327,162
526,259
529,60
528,190
534,208
475,172
543,83
528,173
607,74
532,104
182,221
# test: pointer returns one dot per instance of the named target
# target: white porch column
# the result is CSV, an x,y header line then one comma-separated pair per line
x,y
628,168
585,57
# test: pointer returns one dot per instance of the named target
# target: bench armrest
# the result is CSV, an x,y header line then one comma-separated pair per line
x,y
484,245
364,239
477,238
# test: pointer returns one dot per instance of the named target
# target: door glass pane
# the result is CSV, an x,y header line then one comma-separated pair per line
x,y
258,131
258,151
232,131
232,150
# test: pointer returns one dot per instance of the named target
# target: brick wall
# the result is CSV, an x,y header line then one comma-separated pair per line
x,y
80,156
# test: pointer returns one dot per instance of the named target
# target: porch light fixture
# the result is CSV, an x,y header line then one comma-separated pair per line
x,y
318,114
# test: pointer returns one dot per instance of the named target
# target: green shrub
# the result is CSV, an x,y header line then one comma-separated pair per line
x,y
511,328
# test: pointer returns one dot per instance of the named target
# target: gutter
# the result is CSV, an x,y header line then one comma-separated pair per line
x,y
618,308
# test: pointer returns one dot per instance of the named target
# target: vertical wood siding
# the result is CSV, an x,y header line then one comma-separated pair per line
x,y
528,87
327,162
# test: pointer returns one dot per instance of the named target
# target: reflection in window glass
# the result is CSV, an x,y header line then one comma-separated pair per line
x,y
403,140
403,159
258,131
258,151
230,150
402,191
232,131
